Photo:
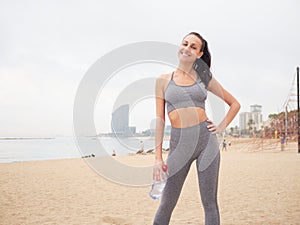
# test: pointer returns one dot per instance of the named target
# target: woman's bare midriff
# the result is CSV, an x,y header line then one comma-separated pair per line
x,y
187,117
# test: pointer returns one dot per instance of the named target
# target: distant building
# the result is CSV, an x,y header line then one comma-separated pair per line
x,y
254,116
255,108
132,130
120,120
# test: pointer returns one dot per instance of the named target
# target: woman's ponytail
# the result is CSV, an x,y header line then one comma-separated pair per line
x,y
206,57
202,65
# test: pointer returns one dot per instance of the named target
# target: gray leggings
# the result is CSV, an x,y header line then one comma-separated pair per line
x,y
186,145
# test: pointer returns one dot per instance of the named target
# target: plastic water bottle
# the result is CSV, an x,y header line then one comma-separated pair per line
x,y
157,187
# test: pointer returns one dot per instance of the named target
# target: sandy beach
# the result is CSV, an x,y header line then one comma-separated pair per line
x,y
259,184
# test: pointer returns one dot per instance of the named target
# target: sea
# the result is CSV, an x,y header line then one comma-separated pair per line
x,y
51,148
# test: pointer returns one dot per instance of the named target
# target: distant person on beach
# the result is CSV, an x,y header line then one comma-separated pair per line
x,y
282,142
224,144
113,153
193,134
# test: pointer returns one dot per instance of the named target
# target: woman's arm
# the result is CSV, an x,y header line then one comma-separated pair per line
x,y
216,88
160,118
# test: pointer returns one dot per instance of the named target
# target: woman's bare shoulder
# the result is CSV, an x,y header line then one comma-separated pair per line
x,y
164,78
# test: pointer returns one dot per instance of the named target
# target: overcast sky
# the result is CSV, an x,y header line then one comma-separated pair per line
x,y
46,47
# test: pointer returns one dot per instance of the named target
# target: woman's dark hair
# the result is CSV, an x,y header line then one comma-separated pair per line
x,y
202,65
206,57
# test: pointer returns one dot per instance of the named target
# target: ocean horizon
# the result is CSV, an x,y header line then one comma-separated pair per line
x,y
19,149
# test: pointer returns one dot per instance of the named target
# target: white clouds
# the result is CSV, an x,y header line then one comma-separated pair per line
x,y
47,46
35,104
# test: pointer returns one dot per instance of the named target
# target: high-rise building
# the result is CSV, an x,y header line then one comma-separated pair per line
x,y
254,117
255,108
120,120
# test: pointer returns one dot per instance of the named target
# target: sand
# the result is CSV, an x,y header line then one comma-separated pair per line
x,y
256,186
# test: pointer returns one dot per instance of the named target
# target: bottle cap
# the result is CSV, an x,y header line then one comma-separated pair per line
x,y
164,167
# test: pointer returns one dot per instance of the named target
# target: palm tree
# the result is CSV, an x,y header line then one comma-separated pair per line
x,y
236,128
231,131
250,123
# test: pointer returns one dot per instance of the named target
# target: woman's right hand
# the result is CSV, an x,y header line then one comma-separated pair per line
x,y
160,170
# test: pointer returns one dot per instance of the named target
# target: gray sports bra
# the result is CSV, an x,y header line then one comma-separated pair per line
x,y
182,96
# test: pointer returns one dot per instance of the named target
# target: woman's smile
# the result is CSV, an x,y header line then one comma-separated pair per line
x,y
185,53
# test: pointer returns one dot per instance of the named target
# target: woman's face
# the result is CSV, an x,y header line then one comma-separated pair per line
x,y
190,48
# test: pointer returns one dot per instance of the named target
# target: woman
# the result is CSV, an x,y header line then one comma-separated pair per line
x,y
193,135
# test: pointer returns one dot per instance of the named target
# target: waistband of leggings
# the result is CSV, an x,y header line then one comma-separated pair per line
x,y
196,126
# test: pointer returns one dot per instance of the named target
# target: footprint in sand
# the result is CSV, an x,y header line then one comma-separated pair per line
x,y
109,220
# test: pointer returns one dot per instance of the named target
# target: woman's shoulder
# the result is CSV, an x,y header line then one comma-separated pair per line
x,y
163,78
